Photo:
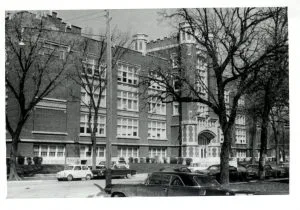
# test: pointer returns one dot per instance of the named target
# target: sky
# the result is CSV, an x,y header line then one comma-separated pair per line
x,y
131,21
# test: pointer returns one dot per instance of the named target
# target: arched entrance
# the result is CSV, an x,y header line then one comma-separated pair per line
x,y
204,138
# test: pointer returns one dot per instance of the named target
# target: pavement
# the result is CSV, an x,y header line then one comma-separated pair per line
x,y
48,187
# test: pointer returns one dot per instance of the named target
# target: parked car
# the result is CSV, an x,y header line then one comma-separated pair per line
x,y
101,171
195,167
252,171
235,174
116,164
72,172
173,184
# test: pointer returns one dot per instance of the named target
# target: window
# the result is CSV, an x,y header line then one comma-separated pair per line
x,y
77,168
125,151
36,151
127,127
48,151
226,96
127,74
175,61
52,151
157,152
175,108
85,97
240,120
127,100
91,68
176,181
52,49
44,150
241,101
86,151
84,126
183,35
156,106
177,84
240,135
157,129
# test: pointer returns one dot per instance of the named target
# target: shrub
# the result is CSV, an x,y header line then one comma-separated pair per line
x,y
180,160
188,161
173,160
121,159
142,160
136,160
130,159
21,160
147,159
29,160
165,160
37,160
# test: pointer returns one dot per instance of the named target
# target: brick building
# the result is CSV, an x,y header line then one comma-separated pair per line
x,y
58,131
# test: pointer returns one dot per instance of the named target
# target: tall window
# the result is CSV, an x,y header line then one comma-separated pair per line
x,y
127,74
85,98
127,151
157,129
156,106
45,150
240,135
127,100
157,151
175,108
127,127
174,59
84,126
240,120
226,96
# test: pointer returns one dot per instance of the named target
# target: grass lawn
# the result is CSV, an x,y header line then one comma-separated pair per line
x,y
151,167
263,187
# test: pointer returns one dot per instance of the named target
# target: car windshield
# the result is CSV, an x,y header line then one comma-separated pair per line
x,y
69,167
204,181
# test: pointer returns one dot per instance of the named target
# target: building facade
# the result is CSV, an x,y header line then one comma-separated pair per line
x,y
58,130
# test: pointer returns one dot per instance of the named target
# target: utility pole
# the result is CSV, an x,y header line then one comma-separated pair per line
x,y
109,101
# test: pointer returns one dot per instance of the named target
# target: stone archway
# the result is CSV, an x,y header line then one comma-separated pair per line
x,y
204,138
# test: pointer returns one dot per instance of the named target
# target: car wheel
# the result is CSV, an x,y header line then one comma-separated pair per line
x,y
128,176
118,195
59,179
70,177
88,177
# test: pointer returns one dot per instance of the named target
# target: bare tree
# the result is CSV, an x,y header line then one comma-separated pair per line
x,y
233,45
90,75
36,59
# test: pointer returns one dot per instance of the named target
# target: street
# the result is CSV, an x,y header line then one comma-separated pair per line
x,y
63,189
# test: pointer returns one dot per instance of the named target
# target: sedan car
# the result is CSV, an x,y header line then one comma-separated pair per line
x,y
235,174
173,184
253,171
72,172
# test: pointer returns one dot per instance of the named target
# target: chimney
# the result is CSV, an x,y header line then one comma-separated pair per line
x,y
140,42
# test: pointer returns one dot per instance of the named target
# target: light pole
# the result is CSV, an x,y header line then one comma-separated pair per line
x,y
109,101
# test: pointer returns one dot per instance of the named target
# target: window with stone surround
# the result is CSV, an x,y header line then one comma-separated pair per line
x,y
127,74
157,151
128,100
156,129
86,151
128,151
127,127
86,99
84,126
44,150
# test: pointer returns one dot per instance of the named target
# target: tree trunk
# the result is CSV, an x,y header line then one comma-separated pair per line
x,y
264,138
13,175
253,138
225,151
94,151
277,152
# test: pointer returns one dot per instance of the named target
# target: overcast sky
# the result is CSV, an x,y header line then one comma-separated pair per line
x,y
146,21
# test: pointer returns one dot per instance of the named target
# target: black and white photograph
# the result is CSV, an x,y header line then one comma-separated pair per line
x,y
148,103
